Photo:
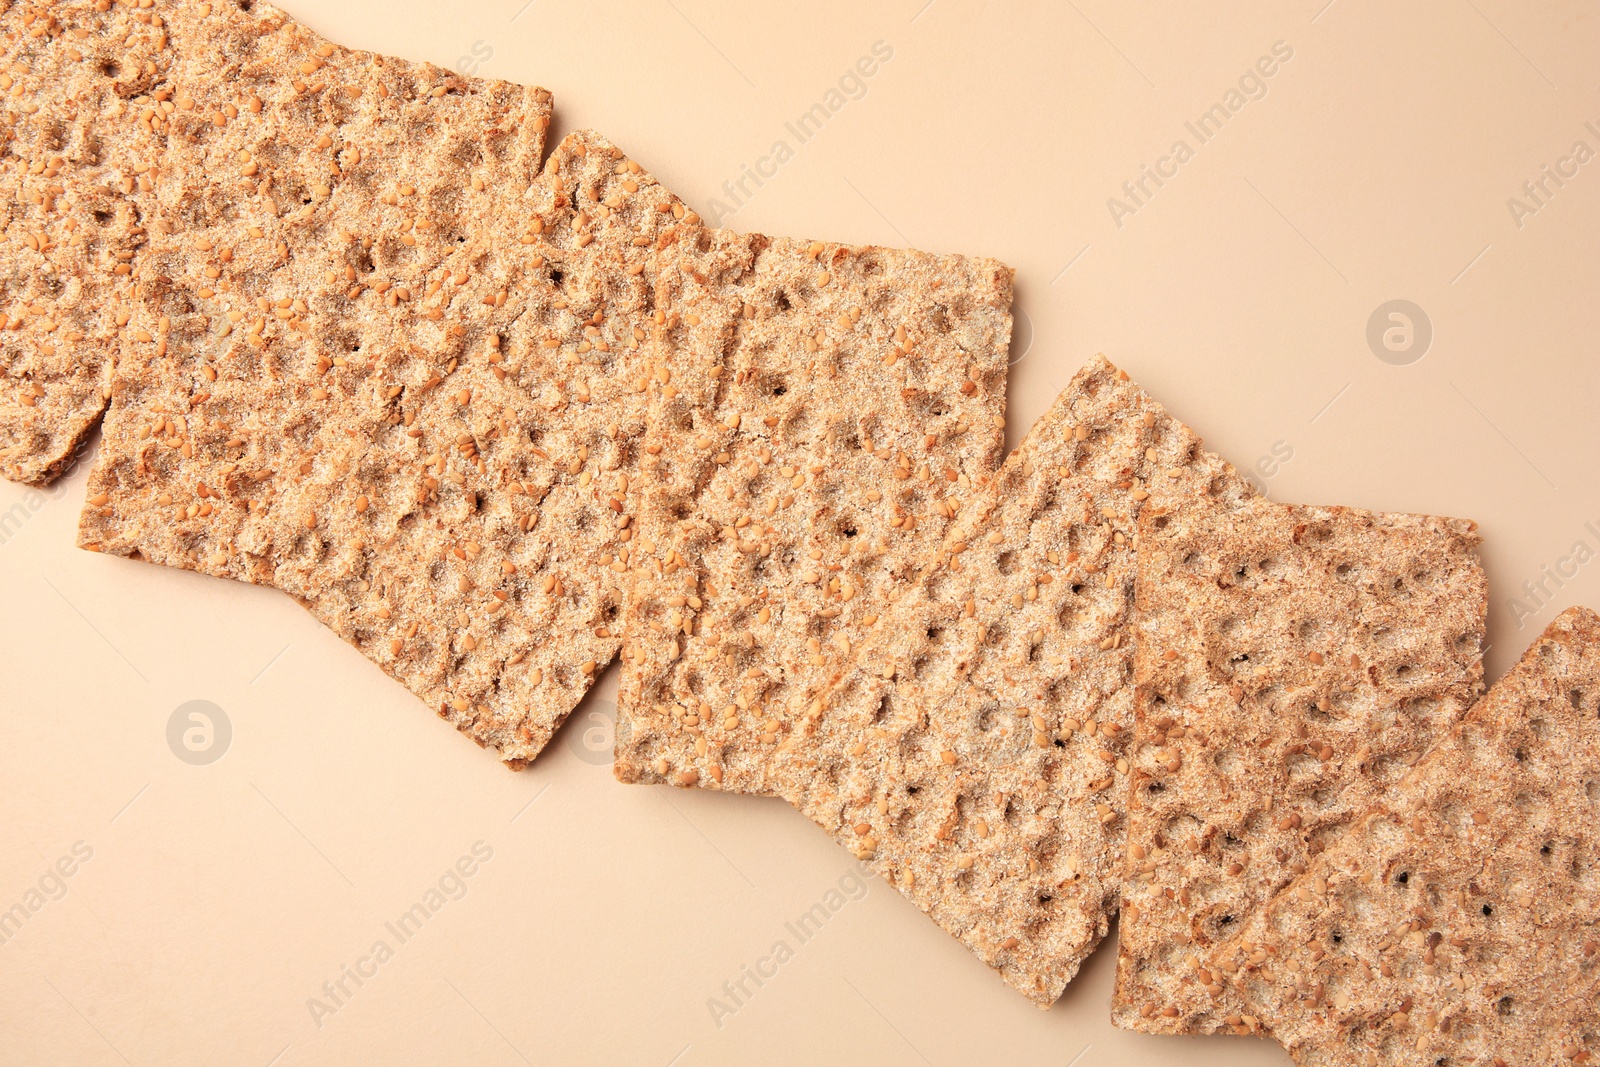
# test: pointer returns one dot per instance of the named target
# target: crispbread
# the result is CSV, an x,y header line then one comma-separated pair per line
x,y
1290,664
1459,920
862,402
81,130
470,549
1038,576
1007,652
304,481
425,433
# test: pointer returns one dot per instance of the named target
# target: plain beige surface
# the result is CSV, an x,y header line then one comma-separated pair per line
x,y
1377,165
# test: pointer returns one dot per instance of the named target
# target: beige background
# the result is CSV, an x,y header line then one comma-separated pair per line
x,y
1377,165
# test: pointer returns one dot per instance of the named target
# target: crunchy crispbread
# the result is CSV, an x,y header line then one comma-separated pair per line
x,y
298,453
975,757
452,503
861,404
81,133
1290,664
1459,920
406,390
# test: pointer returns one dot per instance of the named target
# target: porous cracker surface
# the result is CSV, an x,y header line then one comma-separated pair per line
x,y
83,95
1291,665
971,749
1459,919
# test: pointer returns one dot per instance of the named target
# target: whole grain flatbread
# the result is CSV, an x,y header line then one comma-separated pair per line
x,y
1458,921
452,502
411,391
82,91
973,752
861,403
407,391
1291,664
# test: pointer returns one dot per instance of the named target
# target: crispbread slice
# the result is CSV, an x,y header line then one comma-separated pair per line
x,y
450,504
975,757
81,136
407,393
1037,577
861,404
997,766
1291,663
1459,920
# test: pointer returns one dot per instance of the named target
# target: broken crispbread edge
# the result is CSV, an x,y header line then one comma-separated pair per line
x,y
1458,920
1291,663
83,147
976,768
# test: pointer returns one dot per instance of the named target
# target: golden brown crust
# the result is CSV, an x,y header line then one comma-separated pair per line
x,y
1459,920
405,391
1291,663
82,87
861,402
970,748
449,503
383,366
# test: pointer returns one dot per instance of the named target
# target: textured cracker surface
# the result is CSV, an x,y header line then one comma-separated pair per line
x,y
1291,664
384,367
404,391
80,152
1459,921
1007,651
861,401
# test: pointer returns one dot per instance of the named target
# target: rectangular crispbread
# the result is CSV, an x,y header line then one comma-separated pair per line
x,y
1291,663
384,367
385,364
861,404
1458,921
972,752
81,139
447,497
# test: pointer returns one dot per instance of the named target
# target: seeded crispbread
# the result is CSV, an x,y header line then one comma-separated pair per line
x,y
410,401
1291,663
862,400
82,141
1459,920
974,758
